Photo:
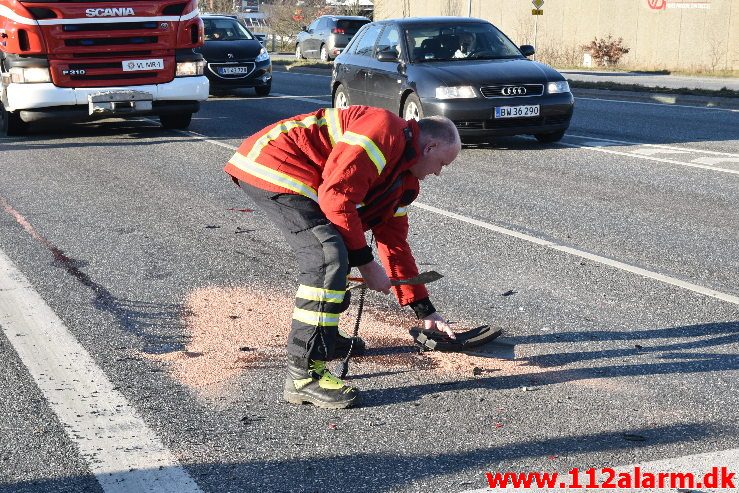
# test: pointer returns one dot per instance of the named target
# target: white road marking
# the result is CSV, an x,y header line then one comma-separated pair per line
x,y
670,105
659,146
600,148
119,448
716,160
698,465
651,151
581,253
307,99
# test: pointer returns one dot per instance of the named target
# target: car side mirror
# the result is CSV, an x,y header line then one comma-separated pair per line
x,y
527,50
387,56
304,28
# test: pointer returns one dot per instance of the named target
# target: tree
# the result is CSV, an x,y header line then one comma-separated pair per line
x,y
606,51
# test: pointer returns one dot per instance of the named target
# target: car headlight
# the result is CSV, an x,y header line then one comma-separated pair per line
x,y
557,87
189,69
263,55
455,92
30,75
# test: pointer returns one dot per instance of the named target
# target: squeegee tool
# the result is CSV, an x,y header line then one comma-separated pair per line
x,y
423,278
433,340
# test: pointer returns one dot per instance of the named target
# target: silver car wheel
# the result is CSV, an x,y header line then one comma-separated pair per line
x,y
411,111
324,53
298,52
341,100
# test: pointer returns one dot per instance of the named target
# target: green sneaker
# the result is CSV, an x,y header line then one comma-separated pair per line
x,y
318,386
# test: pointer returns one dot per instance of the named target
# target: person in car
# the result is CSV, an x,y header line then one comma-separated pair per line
x,y
323,179
466,45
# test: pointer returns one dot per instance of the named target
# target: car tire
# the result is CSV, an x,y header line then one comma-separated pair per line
x,y
550,137
324,54
179,121
263,90
412,108
299,52
341,97
11,123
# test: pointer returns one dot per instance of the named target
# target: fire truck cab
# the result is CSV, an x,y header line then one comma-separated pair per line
x,y
79,60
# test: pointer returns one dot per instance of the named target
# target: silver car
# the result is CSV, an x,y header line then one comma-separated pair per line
x,y
327,36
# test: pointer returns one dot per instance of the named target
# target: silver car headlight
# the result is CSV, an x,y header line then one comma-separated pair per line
x,y
455,92
557,87
29,75
263,55
190,69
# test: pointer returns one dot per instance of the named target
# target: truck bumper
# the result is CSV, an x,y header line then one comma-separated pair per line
x,y
40,97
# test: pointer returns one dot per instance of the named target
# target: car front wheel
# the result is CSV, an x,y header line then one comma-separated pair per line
x,y
341,98
550,137
412,109
263,90
178,121
324,54
299,52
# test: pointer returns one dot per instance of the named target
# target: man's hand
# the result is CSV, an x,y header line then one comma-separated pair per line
x,y
375,277
437,322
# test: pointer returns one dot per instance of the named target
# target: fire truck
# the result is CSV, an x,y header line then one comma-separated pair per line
x,y
76,60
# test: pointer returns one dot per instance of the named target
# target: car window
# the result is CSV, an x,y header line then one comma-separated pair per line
x,y
433,42
313,24
389,40
225,30
324,23
349,26
365,45
354,42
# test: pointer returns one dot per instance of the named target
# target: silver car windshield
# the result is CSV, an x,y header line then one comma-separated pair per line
x,y
442,42
225,30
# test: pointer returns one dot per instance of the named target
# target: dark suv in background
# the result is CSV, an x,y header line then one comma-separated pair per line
x,y
327,36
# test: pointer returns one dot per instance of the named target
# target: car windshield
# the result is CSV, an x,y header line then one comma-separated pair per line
x,y
349,26
225,30
436,42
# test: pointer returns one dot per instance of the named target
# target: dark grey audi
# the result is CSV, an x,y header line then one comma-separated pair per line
x,y
462,68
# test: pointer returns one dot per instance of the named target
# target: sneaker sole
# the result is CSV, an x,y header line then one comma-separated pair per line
x,y
299,399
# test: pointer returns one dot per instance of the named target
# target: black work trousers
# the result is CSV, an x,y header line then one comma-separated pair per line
x,y
324,266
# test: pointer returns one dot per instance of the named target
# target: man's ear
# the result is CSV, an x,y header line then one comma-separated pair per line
x,y
430,146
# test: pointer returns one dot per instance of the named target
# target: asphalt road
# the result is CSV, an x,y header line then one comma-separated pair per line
x,y
611,260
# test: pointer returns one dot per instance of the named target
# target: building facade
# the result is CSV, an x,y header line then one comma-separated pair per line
x,y
698,35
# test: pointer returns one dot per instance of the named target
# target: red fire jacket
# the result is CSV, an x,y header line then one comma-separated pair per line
x,y
354,163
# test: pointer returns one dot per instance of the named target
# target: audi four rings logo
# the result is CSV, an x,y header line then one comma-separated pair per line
x,y
513,91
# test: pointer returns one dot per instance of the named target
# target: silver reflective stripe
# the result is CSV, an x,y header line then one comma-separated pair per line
x,y
310,317
273,176
334,125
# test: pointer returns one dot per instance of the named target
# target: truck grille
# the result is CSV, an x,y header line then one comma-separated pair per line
x,y
93,54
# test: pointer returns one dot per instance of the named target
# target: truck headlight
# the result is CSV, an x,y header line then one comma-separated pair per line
x,y
263,55
455,92
557,87
29,75
190,69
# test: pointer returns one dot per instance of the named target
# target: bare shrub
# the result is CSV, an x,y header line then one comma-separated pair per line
x,y
219,6
606,51
560,56
285,20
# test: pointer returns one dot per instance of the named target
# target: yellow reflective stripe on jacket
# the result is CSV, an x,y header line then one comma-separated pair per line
x,y
401,211
333,124
322,319
273,176
319,294
279,129
374,152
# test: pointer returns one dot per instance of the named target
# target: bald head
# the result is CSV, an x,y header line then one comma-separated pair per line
x,y
439,143
440,129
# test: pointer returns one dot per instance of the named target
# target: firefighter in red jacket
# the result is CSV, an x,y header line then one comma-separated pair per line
x,y
323,179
